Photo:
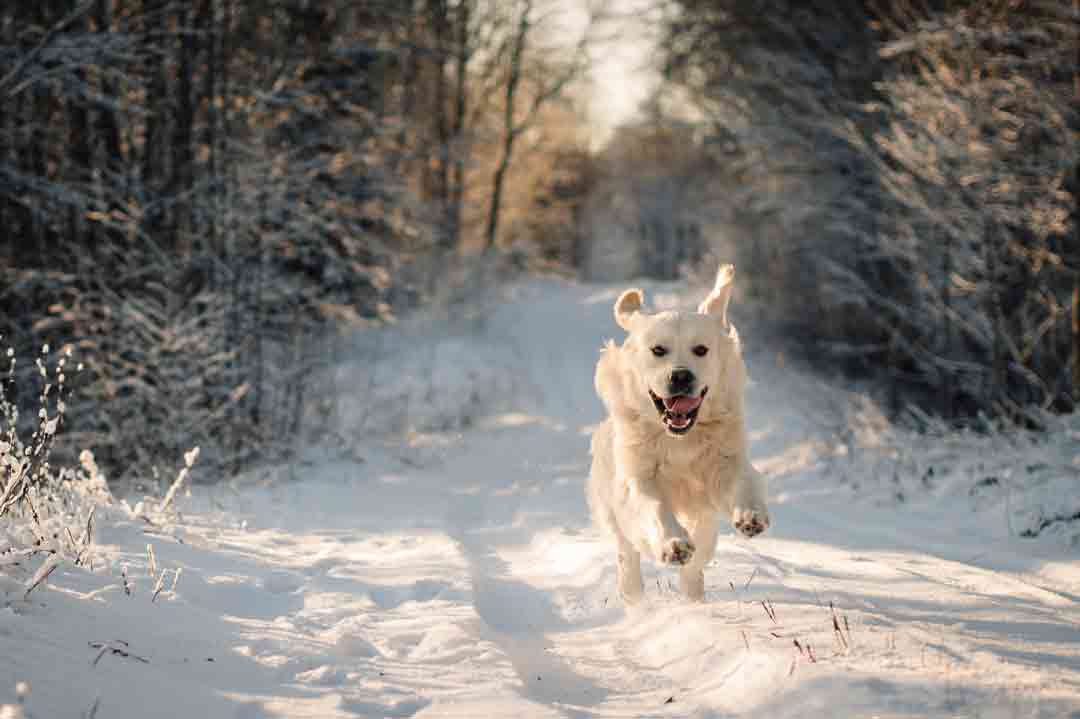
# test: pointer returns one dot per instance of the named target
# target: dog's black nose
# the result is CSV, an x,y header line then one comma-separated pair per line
x,y
681,382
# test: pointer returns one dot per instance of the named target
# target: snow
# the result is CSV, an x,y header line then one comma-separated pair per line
x,y
452,571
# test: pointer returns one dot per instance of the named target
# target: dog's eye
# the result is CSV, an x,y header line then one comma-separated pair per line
x,y
700,350
659,350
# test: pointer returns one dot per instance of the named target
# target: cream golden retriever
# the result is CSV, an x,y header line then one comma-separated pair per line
x,y
671,457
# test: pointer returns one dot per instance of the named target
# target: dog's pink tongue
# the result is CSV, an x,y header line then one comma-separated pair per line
x,y
682,404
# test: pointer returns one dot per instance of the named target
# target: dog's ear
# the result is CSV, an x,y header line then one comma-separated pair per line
x,y
717,301
627,306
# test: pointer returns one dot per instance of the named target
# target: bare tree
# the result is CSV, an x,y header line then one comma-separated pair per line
x,y
531,81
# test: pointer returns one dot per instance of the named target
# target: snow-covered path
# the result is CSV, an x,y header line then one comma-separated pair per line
x,y
457,575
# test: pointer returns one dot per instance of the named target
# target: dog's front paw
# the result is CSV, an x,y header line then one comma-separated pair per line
x,y
676,551
750,522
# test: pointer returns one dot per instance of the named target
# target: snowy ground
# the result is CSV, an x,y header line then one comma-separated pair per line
x,y
455,574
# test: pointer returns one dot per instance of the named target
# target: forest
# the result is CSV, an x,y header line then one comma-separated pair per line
x,y
201,198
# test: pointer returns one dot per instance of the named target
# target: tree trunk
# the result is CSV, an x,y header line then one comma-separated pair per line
x,y
155,138
113,162
80,159
9,111
460,150
947,341
108,125
994,311
38,163
206,26
510,128
1076,242
181,178
408,92
80,152
438,12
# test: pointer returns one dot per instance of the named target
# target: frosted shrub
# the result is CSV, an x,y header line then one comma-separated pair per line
x,y
31,488
24,461
1029,477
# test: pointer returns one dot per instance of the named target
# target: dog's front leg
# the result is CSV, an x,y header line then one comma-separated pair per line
x,y
631,587
749,510
658,533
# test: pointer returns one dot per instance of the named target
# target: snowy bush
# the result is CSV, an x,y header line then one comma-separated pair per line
x,y
48,508
1032,475
52,506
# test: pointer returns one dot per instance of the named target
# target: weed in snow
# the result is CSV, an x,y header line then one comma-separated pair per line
x,y
41,502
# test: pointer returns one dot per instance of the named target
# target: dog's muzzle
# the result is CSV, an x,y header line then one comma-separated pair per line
x,y
678,412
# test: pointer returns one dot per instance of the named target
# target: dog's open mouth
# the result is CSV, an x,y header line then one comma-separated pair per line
x,y
679,412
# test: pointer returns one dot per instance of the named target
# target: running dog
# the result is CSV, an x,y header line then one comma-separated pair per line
x,y
671,457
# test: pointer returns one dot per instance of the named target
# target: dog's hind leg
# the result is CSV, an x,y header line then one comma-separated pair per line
x,y
692,582
692,575
631,587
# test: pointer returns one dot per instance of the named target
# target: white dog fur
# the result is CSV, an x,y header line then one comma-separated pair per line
x,y
659,493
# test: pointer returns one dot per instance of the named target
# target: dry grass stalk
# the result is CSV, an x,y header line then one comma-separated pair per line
x,y
843,641
116,647
769,610
176,578
47,567
158,586
189,460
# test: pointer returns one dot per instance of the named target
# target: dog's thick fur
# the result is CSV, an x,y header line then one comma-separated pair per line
x,y
660,493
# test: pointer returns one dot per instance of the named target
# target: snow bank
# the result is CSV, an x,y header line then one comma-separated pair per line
x,y
1026,479
422,376
443,384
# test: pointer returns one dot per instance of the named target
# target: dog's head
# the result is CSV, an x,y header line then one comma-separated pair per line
x,y
685,365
